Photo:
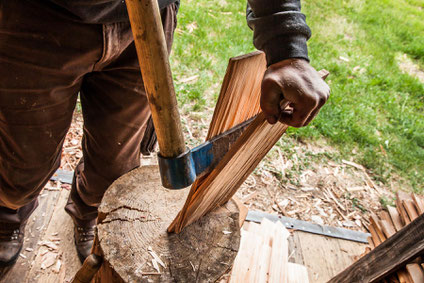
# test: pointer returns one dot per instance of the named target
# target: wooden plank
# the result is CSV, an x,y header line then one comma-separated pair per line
x,y
400,197
258,138
241,261
387,228
279,257
36,226
371,242
415,272
375,222
419,203
375,237
387,224
324,256
238,101
403,276
410,208
388,257
394,215
297,273
267,234
295,250
60,228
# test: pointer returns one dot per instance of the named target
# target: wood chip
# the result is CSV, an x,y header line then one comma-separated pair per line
x,y
48,244
57,266
249,197
353,164
155,265
48,260
156,258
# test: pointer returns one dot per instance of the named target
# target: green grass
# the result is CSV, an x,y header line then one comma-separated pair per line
x,y
375,113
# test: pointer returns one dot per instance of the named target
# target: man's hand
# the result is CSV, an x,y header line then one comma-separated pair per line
x,y
300,84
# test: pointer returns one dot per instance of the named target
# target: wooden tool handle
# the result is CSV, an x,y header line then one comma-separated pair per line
x,y
152,54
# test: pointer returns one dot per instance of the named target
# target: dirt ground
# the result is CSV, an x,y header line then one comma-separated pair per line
x,y
305,182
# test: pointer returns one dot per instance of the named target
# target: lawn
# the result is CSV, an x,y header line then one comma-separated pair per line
x,y
375,115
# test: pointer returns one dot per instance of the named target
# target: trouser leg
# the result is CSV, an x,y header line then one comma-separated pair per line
x,y
115,110
42,60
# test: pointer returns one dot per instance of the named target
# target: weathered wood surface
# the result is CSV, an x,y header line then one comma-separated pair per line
x,y
323,256
389,256
133,217
49,222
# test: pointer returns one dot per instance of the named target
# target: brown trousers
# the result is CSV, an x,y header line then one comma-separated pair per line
x,y
45,61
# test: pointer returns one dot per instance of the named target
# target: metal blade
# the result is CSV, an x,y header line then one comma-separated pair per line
x,y
207,155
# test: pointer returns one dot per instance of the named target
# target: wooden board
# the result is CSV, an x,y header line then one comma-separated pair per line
x,y
238,101
323,256
49,218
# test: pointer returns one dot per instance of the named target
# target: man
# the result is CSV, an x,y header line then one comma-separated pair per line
x,y
51,50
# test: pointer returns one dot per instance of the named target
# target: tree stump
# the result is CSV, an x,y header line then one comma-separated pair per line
x,y
132,238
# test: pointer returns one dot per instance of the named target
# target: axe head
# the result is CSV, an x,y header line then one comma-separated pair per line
x,y
181,171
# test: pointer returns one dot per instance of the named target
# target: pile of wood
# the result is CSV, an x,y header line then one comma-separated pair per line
x,y
263,256
408,208
397,239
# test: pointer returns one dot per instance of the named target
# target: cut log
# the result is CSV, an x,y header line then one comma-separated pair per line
x,y
134,243
388,257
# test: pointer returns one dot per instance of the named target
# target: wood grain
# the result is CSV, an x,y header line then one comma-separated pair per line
x,y
152,54
133,217
238,101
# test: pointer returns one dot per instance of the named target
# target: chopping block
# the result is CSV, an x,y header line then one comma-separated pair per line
x,y
135,246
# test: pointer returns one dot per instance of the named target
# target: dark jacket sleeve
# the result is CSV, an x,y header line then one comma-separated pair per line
x,y
279,29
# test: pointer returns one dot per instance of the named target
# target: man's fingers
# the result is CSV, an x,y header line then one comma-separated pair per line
x,y
298,116
315,112
312,116
270,100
